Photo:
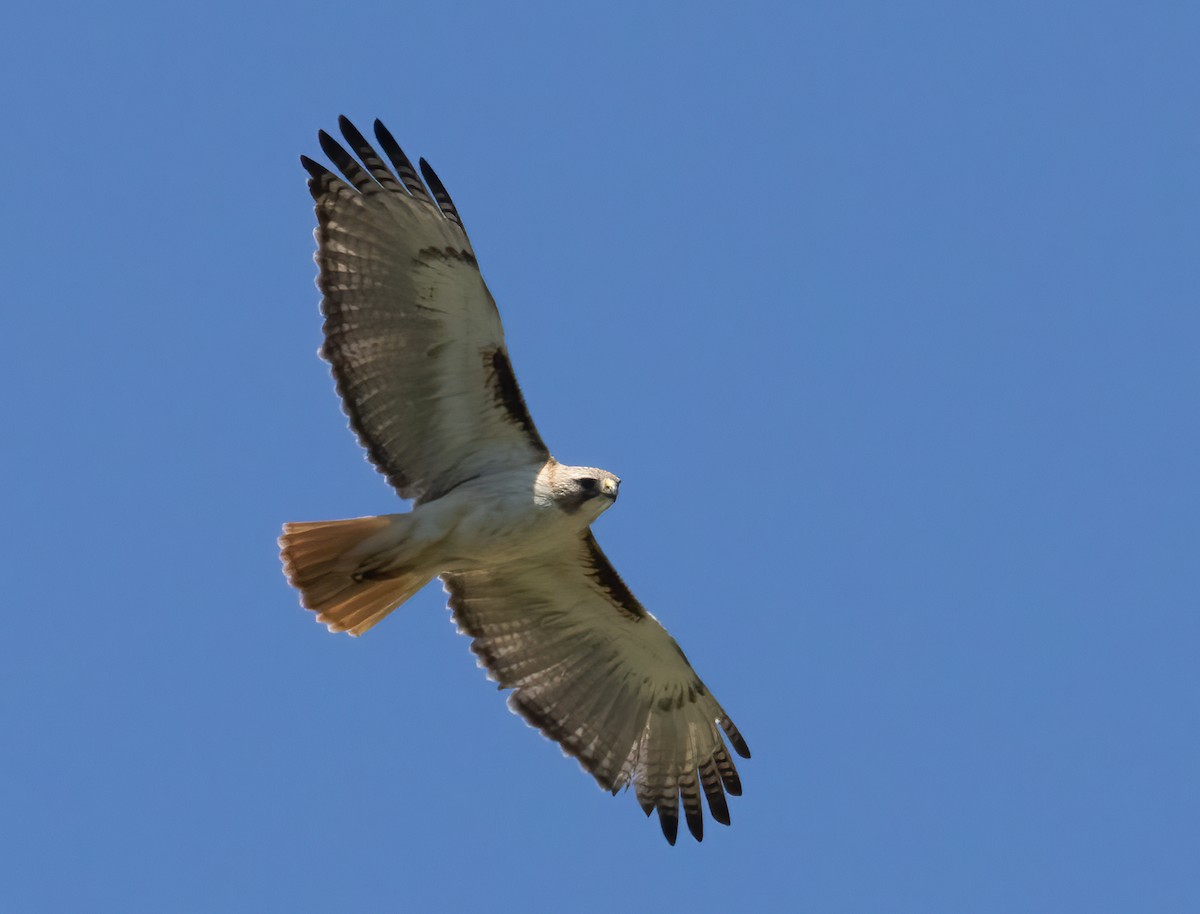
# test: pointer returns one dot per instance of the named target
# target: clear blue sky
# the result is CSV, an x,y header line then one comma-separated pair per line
x,y
886,314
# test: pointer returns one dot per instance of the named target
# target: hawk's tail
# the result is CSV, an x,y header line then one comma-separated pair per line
x,y
329,562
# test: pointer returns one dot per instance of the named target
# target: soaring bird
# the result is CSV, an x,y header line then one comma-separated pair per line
x,y
418,355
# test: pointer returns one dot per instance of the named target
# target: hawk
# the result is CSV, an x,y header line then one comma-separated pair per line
x,y
418,355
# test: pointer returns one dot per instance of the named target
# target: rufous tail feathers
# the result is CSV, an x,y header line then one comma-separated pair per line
x,y
323,561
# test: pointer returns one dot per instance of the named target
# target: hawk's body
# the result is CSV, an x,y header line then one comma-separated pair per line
x,y
418,353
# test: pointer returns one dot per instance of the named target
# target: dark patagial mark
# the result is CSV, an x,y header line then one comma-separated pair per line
x,y
447,253
600,570
508,394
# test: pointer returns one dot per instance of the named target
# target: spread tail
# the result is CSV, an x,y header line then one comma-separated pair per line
x,y
331,564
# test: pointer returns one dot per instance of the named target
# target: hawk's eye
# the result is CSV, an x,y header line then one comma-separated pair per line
x,y
588,484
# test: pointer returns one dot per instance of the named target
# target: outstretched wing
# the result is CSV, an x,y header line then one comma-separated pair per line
x,y
594,671
411,330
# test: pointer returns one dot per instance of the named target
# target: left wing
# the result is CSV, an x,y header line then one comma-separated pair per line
x,y
594,671
411,332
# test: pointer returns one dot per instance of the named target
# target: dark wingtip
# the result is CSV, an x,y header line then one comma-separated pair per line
x,y
319,177
670,825
695,824
354,136
404,168
718,808
735,738
430,177
384,135
330,146
445,204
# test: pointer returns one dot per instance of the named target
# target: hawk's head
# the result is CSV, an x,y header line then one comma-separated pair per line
x,y
581,490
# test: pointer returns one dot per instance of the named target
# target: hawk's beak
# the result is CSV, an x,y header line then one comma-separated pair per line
x,y
609,487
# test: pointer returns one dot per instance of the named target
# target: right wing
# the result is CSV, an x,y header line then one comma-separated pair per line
x,y
594,671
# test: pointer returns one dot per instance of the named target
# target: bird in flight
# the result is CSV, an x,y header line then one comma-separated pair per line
x,y
418,355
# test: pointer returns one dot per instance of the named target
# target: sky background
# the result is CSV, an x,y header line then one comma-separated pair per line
x,y
886,314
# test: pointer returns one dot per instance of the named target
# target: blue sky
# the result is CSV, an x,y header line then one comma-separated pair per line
x,y
886,314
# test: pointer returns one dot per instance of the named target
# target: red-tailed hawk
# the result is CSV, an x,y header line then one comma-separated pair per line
x,y
418,355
